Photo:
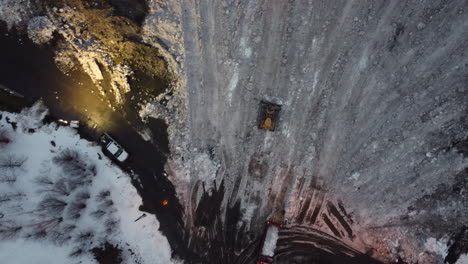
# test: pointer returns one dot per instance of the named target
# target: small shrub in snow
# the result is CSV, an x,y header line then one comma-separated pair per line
x,y
108,203
74,216
82,196
111,225
67,156
84,236
36,234
75,209
59,237
67,229
103,195
11,161
77,252
98,214
92,169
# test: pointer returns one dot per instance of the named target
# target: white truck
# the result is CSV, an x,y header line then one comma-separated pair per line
x,y
268,243
113,147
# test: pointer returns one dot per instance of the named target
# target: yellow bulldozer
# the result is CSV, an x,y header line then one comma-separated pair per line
x,y
268,115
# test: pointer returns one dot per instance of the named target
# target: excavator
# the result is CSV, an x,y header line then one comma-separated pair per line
x,y
268,115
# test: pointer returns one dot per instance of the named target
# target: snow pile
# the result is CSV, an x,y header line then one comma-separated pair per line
x,y
60,198
438,247
14,12
463,259
271,238
40,29
162,23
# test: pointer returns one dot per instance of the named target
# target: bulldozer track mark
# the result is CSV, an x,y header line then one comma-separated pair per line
x,y
333,211
330,225
344,212
317,208
304,210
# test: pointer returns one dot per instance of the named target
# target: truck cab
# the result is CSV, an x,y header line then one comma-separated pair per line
x,y
111,146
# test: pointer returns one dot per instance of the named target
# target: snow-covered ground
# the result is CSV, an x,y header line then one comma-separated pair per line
x,y
463,259
60,197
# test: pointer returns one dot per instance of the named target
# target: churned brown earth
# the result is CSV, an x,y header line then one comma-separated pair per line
x,y
370,144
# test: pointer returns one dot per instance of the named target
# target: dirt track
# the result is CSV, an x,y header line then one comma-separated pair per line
x,y
374,103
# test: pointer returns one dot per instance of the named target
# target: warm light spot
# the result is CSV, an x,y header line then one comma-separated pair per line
x,y
165,202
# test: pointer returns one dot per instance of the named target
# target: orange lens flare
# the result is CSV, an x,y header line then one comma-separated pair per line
x,y
165,202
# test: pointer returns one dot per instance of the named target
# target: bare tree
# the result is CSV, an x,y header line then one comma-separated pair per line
x,y
47,224
78,172
52,206
77,206
67,156
69,228
44,181
62,187
37,234
84,236
59,237
9,164
11,161
82,196
103,195
75,209
8,176
9,230
10,197
77,251
108,203
111,225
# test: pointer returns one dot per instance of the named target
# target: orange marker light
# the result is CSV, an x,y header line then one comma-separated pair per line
x,y
165,202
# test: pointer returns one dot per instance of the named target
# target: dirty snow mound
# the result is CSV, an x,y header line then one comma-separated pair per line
x,y
40,29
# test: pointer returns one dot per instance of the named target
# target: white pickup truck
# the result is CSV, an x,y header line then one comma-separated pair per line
x,y
113,147
268,243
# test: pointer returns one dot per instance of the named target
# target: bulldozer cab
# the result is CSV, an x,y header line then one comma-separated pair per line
x,y
268,115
